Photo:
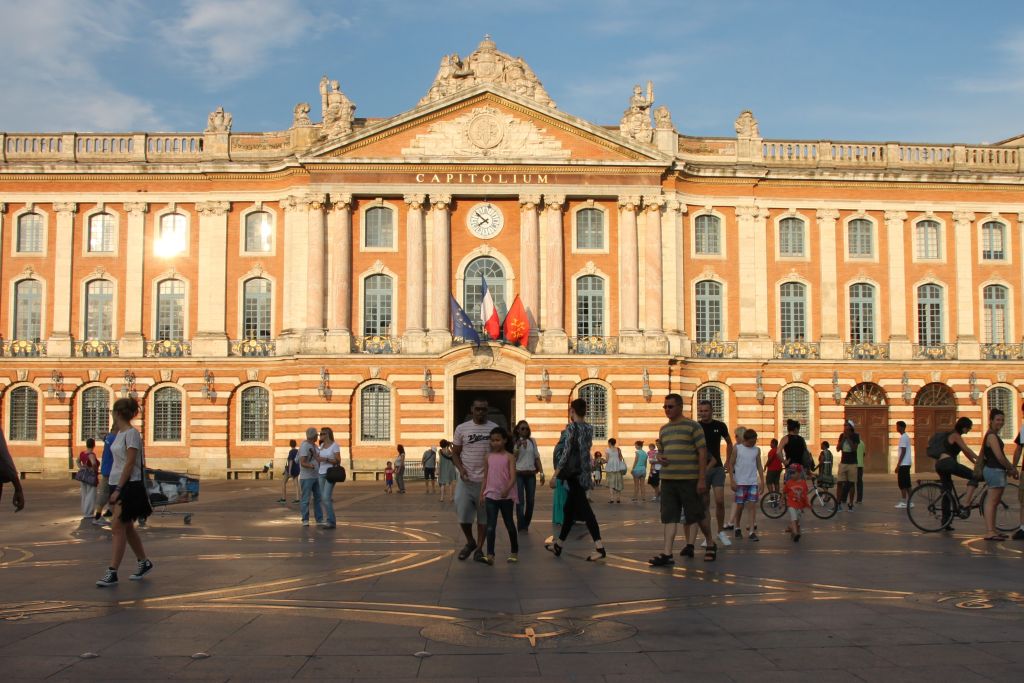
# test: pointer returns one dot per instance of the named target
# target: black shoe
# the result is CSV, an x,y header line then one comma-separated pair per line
x,y
466,551
1018,535
145,566
661,560
478,555
687,551
109,579
551,545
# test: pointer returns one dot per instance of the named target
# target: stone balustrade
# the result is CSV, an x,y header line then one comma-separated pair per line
x,y
828,153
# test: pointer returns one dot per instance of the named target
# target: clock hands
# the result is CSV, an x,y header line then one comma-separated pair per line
x,y
482,219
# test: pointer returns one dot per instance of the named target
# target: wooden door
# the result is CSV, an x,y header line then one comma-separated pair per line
x,y
872,423
927,421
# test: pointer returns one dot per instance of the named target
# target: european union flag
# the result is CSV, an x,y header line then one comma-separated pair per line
x,y
462,327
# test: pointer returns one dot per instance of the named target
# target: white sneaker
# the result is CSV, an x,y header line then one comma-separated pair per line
x,y
724,538
901,505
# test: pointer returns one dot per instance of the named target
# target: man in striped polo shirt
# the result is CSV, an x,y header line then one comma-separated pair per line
x,y
684,461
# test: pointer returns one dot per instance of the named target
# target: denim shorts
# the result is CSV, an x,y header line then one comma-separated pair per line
x,y
995,477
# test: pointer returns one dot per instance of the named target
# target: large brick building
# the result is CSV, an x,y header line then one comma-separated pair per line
x,y
246,285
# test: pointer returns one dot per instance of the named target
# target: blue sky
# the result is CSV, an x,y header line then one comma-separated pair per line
x,y
898,70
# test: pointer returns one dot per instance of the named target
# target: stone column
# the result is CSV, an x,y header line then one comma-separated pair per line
x,y
59,343
295,280
747,280
675,277
899,342
211,336
762,287
133,339
655,340
415,338
529,262
439,334
552,312
968,347
3,210
629,324
831,342
339,297
316,239
753,340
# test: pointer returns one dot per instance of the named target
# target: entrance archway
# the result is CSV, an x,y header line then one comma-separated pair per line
x,y
499,388
867,407
934,411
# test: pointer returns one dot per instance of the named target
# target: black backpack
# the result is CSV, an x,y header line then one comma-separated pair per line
x,y
937,444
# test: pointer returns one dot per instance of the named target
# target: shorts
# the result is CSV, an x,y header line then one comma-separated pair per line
x,y
679,497
132,502
903,476
794,514
428,473
772,477
715,477
654,480
847,473
745,493
995,477
615,481
469,503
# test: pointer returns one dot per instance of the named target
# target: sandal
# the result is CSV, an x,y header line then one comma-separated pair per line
x,y
661,561
601,554
711,553
466,551
996,537
552,547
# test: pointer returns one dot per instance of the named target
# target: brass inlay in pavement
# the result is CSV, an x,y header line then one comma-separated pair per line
x,y
519,632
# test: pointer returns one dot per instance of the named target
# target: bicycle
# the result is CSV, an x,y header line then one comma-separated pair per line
x,y
824,505
924,508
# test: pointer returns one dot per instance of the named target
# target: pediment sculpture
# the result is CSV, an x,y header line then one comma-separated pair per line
x,y
486,65
338,111
636,121
486,131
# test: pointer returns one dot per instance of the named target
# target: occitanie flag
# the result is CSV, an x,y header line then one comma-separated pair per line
x,y
517,324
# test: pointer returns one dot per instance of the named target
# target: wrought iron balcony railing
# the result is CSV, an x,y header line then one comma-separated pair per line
x,y
798,350
935,351
168,348
714,349
22,348
1002,351
251,347
378,344
593,345
867,350
94,348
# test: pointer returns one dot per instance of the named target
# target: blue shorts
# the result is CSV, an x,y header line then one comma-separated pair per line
x,y
745,494
995,477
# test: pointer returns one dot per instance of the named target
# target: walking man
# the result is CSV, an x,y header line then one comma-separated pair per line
x,y
429,469
715,432
684,459
1018,442
903,460
469,450
849,442
9,474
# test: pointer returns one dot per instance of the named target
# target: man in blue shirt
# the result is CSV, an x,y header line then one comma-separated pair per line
x,y
106,462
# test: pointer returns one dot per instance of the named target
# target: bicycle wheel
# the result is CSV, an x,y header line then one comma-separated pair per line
x,y
1008,510
824,504
925,508
773,504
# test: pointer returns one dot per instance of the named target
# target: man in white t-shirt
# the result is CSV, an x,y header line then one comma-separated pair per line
x,y
904,458
309,477
469,452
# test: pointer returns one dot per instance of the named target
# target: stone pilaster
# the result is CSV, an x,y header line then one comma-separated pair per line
x,y
313,340
211,334
553,338
655,340
968,347
439,335
133,342
3,210
831,343
339,296
764,312
529,262
899,342
753,340
674,277
630,340
59,343
415,338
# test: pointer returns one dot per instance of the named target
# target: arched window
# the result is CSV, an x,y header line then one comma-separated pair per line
x,y
255,414
378,304
256,308
375,413
929,315
708,314
796,405
791,237
707,235
172,237
99,310
590,229
101,233
993,239
1002,398
862,314
596,397
590,306
30,233
859,242
793,312
95,413
170,310
23,424
996,325
259,230
379,228
28,310
167,414
926,237
472,288
717,398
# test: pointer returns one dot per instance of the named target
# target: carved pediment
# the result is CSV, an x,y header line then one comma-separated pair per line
x,y
486,132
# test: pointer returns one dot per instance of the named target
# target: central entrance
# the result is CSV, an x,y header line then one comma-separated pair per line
x,y
499,388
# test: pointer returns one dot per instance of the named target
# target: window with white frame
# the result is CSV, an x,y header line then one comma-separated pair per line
x,y
259,231
378,305
255,419
28,310
172,235
708,313
1002,398
256,302
379,227
167,414
796,405
590,306
375,413
590,229
23,422
30,234
170,310
101,233
791,237
707,235
716,397
993,241
995,299
926,239
862,313
477,271
596,397
929,315
99,309
793,312
859,238
95,413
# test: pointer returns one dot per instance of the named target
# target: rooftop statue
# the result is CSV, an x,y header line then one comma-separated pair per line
x,y
746,125
486,65
338,111
219,121
636,121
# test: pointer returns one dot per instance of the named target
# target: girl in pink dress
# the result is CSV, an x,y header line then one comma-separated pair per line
x,y
500,493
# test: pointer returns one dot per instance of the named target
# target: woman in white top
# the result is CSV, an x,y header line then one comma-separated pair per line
x,y
528,466
616,469
747,478
128,498
330,455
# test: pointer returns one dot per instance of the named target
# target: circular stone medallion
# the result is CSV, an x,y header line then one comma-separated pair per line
x,y
485,131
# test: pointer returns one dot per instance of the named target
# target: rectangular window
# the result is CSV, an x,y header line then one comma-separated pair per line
x,y
375,413
99,301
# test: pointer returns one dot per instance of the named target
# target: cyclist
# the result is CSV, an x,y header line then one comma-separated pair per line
x,y
996,467
947,466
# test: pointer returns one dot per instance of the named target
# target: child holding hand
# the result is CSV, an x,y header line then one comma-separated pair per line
x,y
389,477
500,494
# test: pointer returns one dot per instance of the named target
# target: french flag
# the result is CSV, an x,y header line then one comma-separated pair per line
x,y
489,313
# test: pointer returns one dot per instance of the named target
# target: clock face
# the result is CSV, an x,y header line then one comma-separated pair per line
x,y
485,220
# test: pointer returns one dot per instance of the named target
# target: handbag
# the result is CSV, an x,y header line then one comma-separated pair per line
x,y
336,474
87,476
571,466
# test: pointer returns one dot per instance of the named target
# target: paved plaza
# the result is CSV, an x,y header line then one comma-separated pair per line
x,y
245,593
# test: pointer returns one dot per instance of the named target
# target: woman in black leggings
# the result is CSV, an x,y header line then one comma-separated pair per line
x,y
947,466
